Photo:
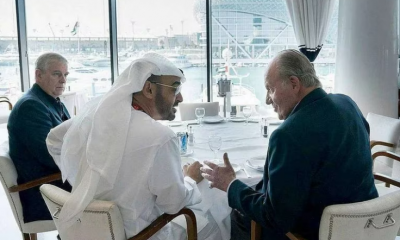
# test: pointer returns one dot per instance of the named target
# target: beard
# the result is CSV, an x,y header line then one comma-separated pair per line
x,y
164,108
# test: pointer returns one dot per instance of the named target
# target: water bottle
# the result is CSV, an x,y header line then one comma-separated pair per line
x,y
191,136
264,127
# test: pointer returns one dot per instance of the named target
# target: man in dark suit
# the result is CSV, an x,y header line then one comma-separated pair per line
x,y
319,156
31,119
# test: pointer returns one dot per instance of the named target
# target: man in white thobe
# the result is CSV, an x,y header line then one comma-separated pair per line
x,y
115,150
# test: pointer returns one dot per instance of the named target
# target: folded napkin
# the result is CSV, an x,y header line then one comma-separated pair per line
x,y
256,163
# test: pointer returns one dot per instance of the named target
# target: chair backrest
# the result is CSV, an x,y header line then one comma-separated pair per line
x,y
376,219
100,220
8,178
187,109
5,110
384,129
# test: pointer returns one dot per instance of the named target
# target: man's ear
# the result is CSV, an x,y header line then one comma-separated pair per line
x,y
38,75
148,91
294,82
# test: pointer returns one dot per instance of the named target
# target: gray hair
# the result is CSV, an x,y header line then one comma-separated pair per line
x,y
293,63
43,61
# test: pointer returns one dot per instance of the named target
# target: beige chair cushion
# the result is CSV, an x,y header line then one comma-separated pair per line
x,y
348,221
385,129
4,115
101,220
8,177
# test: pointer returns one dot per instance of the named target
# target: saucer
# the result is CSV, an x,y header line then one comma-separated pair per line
x,y
213,119
237,119
175,123
188,153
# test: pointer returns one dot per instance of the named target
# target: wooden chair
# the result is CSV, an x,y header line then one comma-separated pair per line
x,y
102,220
4,99
382,190
376,219
384,134
8,177
5,113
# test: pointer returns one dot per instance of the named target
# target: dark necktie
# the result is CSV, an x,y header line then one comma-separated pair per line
x,y
64,117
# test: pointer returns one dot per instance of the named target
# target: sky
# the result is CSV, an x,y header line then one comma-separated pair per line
x,y
134,17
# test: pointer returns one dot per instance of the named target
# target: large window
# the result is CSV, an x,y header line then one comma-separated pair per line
x,y
166,27
79,31
10,82
246,35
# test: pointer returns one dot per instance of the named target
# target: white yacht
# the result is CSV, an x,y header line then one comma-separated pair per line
x,y
179,60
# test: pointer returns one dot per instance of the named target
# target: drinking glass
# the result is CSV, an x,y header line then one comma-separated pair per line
x,y
247,113
215,143
199,112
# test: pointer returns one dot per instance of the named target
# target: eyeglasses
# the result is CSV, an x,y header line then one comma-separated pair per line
x,y
177,88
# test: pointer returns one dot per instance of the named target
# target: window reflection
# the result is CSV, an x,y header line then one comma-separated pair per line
x,y
246,35
81,35
10,82
168,28
250,33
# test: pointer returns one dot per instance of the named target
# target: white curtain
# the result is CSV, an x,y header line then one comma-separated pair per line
x,y
310,19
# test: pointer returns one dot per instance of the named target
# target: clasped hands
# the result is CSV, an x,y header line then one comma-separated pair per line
x,y
218,176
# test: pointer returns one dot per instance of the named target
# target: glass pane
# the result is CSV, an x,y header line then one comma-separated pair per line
x,y
175,33
79,31
10,81
246,35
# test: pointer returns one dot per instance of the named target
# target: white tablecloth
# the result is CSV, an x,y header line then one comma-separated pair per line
x,y
241,142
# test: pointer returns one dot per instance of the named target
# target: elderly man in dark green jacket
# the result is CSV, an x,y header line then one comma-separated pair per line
x,y
319,156
31,119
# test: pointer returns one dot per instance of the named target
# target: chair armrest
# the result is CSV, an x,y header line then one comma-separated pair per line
x,y
35,183
4,97
164,219
7,101
387,180
374,143
255,231
388,154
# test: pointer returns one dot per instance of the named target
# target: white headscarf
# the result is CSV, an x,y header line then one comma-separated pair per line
x,y
95,142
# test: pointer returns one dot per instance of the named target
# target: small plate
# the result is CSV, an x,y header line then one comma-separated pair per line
x,y
235,166
213,119
278,122
237,119
174,123
188,153
256,163
186,160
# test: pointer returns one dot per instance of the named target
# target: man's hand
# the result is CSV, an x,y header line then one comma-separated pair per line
x,y
193,171
219,177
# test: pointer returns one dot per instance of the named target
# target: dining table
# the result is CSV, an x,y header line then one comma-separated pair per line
x,y
243,142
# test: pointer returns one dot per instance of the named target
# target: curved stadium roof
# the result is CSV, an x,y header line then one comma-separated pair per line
x,y
275,9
